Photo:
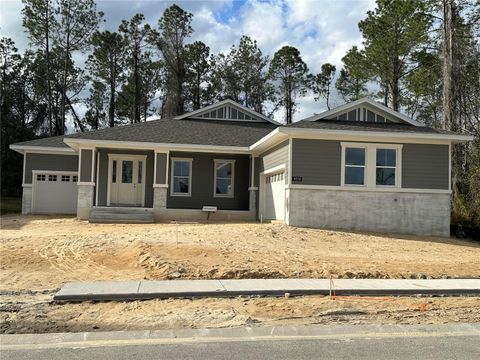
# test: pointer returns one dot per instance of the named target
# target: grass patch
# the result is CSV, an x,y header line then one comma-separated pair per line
x,y
10,205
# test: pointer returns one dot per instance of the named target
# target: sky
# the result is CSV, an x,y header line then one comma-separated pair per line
x,y
323,30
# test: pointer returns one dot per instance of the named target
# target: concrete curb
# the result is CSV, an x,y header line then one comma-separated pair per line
x,y
144,290
247,333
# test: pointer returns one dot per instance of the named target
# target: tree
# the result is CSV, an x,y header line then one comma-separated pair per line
x,y
95,115
78,21
448,25
199,66
391,34
242,75
106,65
40,23
322,82
136,57
174,28
289,72
352,81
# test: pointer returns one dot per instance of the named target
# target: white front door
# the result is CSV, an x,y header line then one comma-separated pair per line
x,y
126,180
274,196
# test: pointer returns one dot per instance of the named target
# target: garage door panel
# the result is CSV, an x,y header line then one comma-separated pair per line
x,y
274,197
55,193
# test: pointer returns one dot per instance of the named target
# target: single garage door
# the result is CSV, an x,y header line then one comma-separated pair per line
x,y
54,193
274,200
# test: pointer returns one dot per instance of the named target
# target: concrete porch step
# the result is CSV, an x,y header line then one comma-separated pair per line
x,y
124,215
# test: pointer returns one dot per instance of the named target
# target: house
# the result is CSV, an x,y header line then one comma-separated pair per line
x,y
360,166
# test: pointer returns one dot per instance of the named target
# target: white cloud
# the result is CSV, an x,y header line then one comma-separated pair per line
x,y
323,30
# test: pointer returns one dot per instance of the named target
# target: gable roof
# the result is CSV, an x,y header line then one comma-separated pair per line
x,y
168,131
364,101
224,104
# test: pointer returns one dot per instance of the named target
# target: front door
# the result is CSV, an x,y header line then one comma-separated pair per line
x,y
127,180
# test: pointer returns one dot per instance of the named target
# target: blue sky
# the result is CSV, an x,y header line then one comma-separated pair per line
x,y
323,30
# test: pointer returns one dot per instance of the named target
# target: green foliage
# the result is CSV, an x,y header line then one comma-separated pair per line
x,y
321,83
290,73
352,81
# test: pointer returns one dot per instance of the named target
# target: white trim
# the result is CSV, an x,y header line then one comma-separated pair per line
x,y
253,188
56,172
96,178
190,174
24,167
42,149
160,185
290,152
167,167
252,178
85,183
359,102
274,169
154,168
228,161
370,166
379,189
119,158
77,142
221,104
92,177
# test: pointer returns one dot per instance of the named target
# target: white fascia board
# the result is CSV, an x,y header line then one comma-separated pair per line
x,y
42,149
369,135
271,139
224,102
159,147
359,102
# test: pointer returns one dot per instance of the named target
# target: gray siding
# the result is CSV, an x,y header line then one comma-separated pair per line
x,y
425,166
103,174
161,175
49,162
318,162
275,156
203,179
86,166
256,169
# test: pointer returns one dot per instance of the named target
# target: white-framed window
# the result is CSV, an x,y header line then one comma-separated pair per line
x,y
52,177
75,178
386,167
371,165
181,177
355,164
224,178
65,178
40,177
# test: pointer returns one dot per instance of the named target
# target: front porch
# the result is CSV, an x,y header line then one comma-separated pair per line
x,y
123,185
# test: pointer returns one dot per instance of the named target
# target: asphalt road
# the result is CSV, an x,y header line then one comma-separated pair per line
x,y
368,345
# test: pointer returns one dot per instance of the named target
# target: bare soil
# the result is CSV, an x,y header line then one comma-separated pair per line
x,y
39,254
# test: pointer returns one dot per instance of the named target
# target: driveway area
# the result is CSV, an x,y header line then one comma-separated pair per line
x,y
39,254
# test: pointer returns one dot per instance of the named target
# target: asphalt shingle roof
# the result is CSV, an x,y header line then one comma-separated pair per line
x,y
173,131
367,126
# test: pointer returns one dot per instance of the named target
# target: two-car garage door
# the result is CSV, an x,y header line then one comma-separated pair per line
x,y
274,196
54,192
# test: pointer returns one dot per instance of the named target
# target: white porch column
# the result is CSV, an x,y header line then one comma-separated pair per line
x,y
253,189
86,182
160,183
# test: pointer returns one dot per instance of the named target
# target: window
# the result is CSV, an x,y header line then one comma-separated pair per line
x,y
181,177
114,171
40,177
224,178
74,178
386,167
65,178
127,171
371,165
354,166
52,177
140,165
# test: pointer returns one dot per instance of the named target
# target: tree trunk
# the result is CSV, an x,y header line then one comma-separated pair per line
x,y
111,107
447,32
47,58
136,101
61,126
395,95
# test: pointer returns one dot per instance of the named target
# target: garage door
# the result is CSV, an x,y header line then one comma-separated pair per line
x,y
274,200
54,193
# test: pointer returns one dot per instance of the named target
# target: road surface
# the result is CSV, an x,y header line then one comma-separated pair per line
x,y
449,342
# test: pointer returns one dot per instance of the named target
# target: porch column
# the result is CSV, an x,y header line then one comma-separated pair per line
x,y
160,183
253,188
86,182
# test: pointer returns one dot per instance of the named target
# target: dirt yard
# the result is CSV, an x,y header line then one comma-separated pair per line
x,y
39,254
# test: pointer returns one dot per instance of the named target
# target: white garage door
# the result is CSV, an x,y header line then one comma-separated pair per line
x,y
54,193
274,200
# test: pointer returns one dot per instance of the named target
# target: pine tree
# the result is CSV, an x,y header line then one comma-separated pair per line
x,y
289,73
322,82
352,81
